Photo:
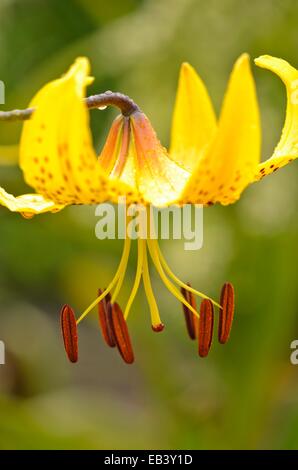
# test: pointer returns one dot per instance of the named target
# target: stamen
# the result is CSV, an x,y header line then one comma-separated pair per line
x,y
205,327
120,280
177,280
190,319
227,300
69,333
121,334
123,270
104,315
119,275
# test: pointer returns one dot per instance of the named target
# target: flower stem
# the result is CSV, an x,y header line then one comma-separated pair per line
x,y
126,105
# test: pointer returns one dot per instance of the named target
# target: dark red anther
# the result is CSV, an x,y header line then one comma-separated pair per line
x,y
226,314
69,332
190,319
104,316
121,334
205,327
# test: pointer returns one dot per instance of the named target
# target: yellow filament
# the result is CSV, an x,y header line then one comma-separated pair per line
x,y
141,250
142,271
177,280
155,318
170,286
119,275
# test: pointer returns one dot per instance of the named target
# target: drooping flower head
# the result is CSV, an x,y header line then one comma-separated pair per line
x,y
208,162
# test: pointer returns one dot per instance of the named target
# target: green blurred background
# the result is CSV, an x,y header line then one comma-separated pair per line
x,y
244,395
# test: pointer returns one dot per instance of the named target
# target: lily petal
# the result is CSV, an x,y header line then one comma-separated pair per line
x,y
287,148
28,204
229,165
159,180
56,152
194,121
134,155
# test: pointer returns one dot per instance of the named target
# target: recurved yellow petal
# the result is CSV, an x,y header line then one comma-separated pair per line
x,y
56,153
28,204
229,165
287,148
194,121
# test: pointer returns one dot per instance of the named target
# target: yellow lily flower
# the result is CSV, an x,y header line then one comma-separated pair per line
x,y
208,162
